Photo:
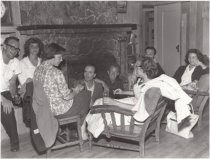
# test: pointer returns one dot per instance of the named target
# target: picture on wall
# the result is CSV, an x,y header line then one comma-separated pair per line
x,y
121,6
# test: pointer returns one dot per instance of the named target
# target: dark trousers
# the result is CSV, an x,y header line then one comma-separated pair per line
x,y
80,105
9,122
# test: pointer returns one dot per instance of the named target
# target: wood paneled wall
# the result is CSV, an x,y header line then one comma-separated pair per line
x,y
133,15
197,29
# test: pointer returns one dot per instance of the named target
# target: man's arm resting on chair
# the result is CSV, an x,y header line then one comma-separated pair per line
x,y
109,101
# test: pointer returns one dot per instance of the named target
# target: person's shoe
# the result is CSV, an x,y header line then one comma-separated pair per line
x,y
14,148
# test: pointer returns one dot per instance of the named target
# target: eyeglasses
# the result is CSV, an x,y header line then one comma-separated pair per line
x,y
17,50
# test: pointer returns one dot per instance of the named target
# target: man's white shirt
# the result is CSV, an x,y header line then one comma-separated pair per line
x,y
8,71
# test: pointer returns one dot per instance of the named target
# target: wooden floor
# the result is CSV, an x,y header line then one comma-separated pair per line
x,y
170,146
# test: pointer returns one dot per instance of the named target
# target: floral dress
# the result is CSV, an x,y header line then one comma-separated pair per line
x,y
55,87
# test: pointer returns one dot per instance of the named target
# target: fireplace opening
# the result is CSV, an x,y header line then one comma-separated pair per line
x,y
102,61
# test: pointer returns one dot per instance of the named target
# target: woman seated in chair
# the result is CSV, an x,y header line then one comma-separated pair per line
x,y
187,76
52,97
147,95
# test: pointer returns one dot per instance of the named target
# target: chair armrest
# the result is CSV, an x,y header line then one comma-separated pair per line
x,y
201,93
110,108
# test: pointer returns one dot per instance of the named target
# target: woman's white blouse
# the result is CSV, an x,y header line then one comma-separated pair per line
x,y
187,76
27,69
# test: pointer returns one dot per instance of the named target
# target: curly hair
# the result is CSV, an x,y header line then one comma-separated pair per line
x,y
115,65
33,41
149,67
194,51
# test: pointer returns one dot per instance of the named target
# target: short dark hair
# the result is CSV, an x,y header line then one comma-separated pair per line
x,y
194,51
32,41
51,50
115,65
91,65
149,67
7,39
150,48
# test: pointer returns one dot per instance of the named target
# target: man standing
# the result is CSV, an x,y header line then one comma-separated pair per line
x,y
151,52
9,73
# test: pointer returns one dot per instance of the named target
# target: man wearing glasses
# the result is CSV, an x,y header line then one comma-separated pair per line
x,y
8,73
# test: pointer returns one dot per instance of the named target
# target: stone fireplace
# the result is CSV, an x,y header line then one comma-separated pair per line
x,y
99,44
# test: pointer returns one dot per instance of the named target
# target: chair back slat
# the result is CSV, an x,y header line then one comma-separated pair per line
x,y
113,121
106,128
122,123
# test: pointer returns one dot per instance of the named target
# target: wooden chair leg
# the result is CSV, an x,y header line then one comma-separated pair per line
x,y
157,133
199,121
80,135
48,152
141,149
90,140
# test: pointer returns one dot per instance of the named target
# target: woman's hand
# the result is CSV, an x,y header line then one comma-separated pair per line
x,y
191,86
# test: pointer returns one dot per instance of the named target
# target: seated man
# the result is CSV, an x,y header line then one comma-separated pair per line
x,y
91,85
52,97
112,79
151,52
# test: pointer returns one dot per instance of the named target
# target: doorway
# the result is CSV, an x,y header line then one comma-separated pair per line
x,y
167,19
148,27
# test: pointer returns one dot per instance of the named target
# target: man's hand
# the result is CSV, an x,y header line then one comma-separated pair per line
x,y
109,101
17,99
106,88
22,90
7,105
118,91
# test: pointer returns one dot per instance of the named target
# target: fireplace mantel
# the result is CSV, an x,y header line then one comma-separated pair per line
x,y
71,29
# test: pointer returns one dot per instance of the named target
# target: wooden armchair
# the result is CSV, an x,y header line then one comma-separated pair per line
x,y
200,97
133,131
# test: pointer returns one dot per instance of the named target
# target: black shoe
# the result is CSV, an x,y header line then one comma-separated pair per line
x,y
14,148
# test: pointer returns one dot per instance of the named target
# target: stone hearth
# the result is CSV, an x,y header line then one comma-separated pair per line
x,y
96,43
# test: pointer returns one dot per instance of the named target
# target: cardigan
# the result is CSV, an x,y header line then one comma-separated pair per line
x,y
195,75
